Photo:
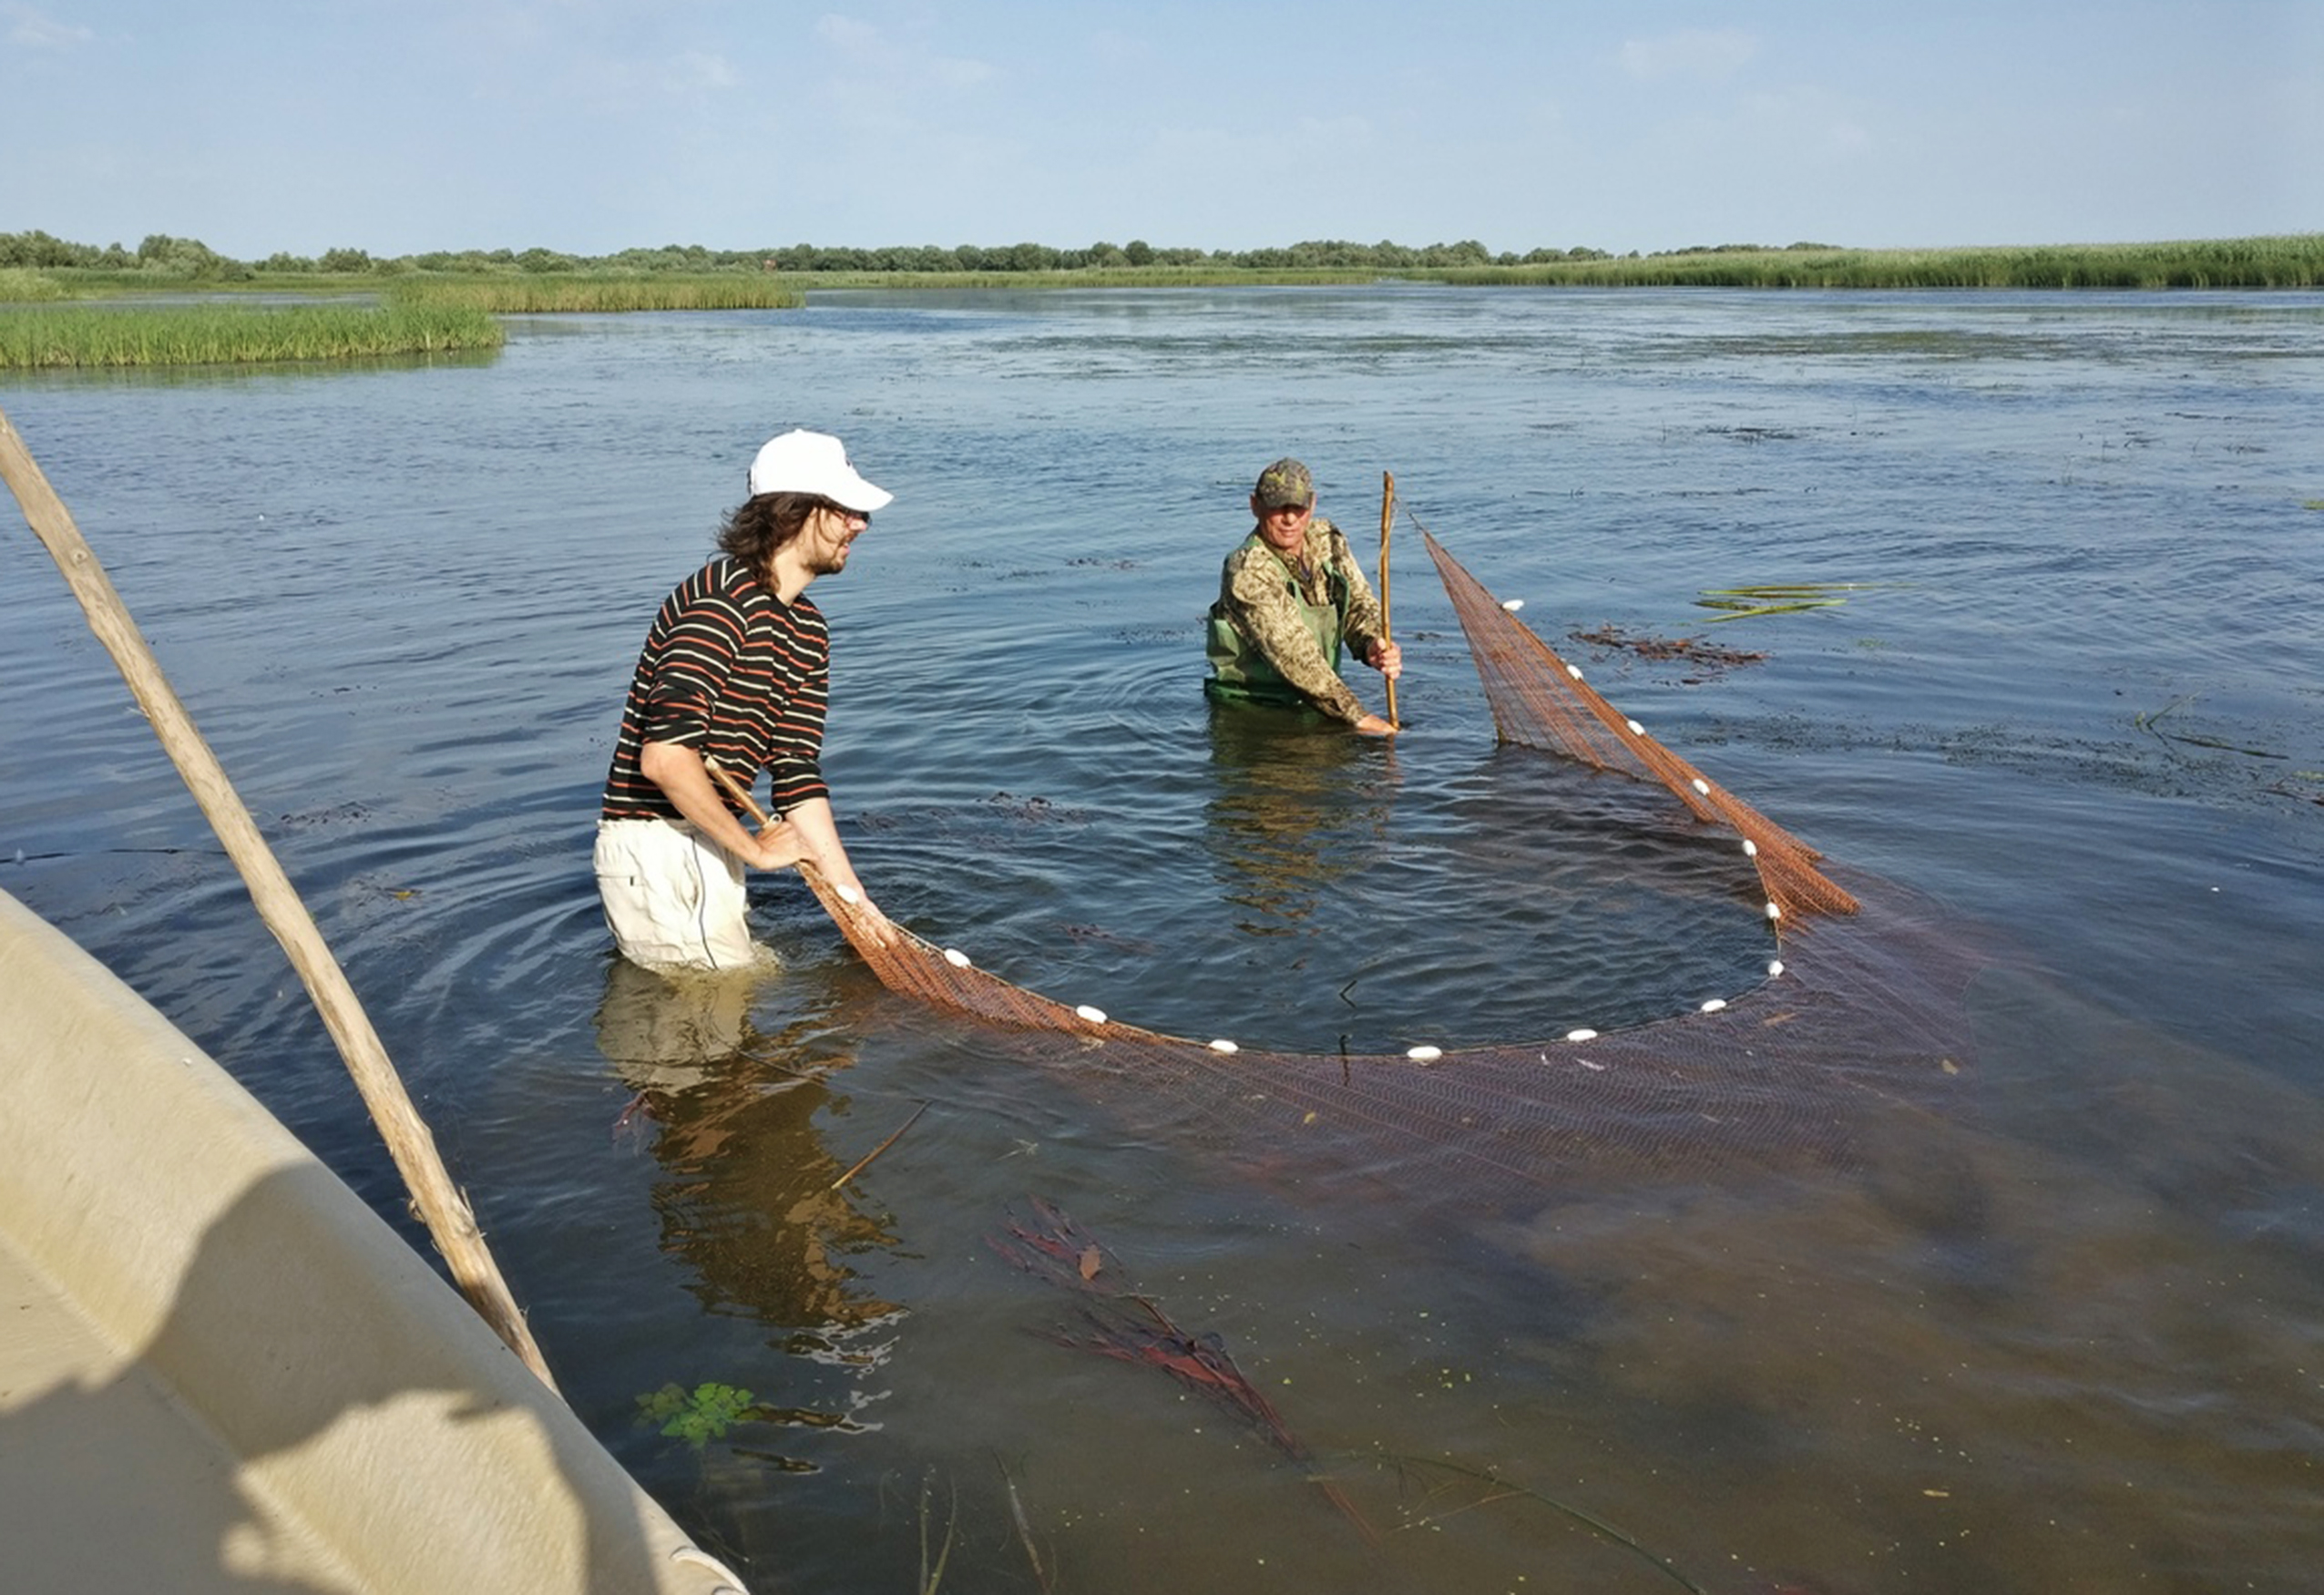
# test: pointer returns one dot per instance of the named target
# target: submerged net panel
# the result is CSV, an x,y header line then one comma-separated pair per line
x,y
1872,1019
1539,700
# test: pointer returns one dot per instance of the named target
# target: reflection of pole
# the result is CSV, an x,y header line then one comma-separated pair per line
x,y
438,1202
1387,518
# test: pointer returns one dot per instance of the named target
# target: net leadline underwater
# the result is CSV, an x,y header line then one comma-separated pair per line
x,y
1861,1011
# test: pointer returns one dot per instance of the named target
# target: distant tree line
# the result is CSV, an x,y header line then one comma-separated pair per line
x,y
163,255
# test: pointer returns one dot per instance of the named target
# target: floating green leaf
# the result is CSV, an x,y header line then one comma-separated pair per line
x,y
696,1416
1779,597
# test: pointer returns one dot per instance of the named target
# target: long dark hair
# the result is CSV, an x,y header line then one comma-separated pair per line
x,y
755,528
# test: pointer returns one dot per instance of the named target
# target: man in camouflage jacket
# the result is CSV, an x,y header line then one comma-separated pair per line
x,y
1290,594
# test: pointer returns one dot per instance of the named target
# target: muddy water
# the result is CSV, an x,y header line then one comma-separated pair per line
x,y
2062,1340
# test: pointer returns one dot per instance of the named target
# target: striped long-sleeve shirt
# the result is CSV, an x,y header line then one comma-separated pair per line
x,y
735,673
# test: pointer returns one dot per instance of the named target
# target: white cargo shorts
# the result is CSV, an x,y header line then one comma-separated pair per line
x,y
672,899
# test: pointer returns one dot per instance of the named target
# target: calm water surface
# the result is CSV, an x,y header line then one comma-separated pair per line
x,y
2066,1341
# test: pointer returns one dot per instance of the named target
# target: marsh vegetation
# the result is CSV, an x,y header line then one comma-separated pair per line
x,y
54,336
427,304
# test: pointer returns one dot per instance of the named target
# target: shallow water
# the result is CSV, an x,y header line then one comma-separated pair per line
x,y
2065,1341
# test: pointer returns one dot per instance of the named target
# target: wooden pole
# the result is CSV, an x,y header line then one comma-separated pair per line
x,y
440,1204
1387,519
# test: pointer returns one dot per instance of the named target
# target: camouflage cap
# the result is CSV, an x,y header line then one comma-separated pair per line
x,y
1283,485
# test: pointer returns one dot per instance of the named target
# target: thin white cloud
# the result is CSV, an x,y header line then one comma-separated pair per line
x,y
695,70
849,36
1704,54
1119,51
898,67
39,31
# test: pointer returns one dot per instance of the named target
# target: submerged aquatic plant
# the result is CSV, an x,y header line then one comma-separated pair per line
x,y
1129,1325
698,1415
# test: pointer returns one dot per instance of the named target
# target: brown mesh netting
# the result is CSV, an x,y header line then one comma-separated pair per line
x,y
1540,701
1873,1015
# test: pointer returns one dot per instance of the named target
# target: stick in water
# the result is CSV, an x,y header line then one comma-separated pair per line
x,y
1387,518
864,1162
440,1203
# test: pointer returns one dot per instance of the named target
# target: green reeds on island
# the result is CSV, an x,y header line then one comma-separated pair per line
x,y
2292,261
561,292
43,338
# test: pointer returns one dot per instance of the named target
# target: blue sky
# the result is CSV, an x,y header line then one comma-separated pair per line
x,y
590,126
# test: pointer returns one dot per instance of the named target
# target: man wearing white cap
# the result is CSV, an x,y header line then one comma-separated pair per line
x,y
735,670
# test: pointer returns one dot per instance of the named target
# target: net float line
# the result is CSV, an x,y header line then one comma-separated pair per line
x,y
1540,701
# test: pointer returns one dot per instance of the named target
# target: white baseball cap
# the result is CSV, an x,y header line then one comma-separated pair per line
x,y
814,461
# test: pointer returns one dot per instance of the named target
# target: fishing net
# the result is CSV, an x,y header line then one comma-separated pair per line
x,y
1867,1012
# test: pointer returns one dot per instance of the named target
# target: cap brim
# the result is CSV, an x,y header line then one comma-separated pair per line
x,y
861,497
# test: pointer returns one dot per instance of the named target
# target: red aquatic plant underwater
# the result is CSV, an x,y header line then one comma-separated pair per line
x,y
1125,1323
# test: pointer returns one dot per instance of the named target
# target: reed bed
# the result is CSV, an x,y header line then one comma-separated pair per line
x,y
231,334
559,292
2291,261
1101,277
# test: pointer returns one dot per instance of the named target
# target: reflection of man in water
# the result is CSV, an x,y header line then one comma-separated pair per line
x,y
1290,596
1293,813
746,1198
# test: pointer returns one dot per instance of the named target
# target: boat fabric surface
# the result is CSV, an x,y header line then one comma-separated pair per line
x,y
222,1372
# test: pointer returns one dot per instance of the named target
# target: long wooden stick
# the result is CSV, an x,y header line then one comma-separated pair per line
x,y
809,871
737,790
441,1205
1387,519
864,1162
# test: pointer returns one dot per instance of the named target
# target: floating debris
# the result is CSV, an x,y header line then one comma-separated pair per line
x,y
1708,656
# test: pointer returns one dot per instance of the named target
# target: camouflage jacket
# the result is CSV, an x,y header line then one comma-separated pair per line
x,y
1260,593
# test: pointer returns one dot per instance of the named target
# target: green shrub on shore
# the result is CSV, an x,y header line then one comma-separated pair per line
x,y
19,285
220,334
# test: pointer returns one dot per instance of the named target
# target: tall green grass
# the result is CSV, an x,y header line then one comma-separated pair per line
x,y
220,334
1202,276
2295,260
557,293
